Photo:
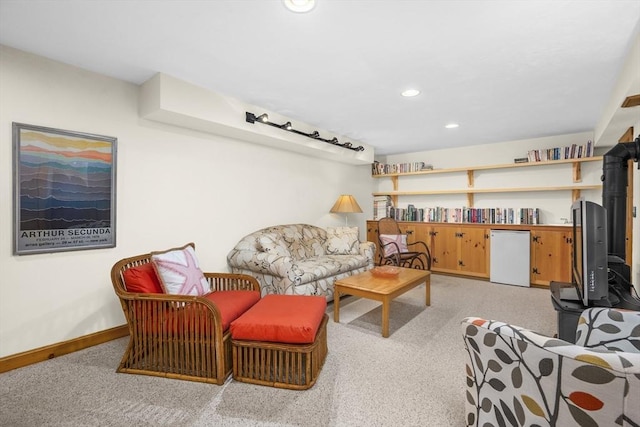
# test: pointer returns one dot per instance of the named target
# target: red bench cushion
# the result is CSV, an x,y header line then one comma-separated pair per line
x,y
293,319
142,279
232,304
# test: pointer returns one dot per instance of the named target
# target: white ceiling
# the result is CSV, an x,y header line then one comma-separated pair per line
x,y
504,70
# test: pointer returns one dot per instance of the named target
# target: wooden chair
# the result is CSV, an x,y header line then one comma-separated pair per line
x,y
177,336
395,250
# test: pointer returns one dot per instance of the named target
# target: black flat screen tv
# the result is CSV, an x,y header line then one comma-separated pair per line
x,y
589,255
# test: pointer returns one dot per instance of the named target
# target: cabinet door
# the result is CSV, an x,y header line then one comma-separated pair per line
x,y
410,230
422,234
474,251
372,236
444,249
550,257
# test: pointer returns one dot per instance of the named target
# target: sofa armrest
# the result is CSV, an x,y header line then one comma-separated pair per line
x,y
368,249
260,262
609,328
232,282
165,313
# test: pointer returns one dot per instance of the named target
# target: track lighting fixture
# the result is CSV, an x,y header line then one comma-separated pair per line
x,y
264,118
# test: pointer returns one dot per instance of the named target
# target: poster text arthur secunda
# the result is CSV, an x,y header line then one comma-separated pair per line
x,y
68,238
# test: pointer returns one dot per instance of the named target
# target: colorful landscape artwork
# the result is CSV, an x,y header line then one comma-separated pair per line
x,y
65,190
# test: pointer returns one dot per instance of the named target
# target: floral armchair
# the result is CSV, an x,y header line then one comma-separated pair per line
x,y
517,377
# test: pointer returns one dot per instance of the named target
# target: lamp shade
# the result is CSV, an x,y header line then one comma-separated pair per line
x,y
346,203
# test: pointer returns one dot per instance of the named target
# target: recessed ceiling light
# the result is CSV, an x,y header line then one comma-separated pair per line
x,y
410,92
451,125
299,6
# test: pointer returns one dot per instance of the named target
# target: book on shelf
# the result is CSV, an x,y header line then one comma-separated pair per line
x,y
465,215
380,206
378,168
573,151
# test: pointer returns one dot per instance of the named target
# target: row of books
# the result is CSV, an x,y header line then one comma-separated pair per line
x,y
573,151
378,168
380,206
466,215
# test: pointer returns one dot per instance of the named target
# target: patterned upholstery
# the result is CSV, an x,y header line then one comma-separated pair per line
x,y
293,259
518,377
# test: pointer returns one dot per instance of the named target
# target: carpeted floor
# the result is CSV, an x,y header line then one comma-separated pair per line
x,y
413,378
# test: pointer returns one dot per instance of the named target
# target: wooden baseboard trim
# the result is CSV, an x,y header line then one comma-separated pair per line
x,y
49,352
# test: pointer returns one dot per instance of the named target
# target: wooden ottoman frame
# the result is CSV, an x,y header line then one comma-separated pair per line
x,y
282,365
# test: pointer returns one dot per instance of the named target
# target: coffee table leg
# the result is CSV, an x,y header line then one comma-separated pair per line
x,y
427,285
336,305
385,318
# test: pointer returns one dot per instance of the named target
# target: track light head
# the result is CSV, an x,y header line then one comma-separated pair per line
x,y
287,126
314,134
263,118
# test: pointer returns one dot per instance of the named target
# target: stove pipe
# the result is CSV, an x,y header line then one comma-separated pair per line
x,y
614,193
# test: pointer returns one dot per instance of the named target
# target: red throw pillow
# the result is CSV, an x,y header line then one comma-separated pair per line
x,y
142,279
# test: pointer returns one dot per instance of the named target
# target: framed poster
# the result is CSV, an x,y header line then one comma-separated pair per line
x,y
64,190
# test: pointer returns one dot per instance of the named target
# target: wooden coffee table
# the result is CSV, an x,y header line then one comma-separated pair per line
x,y
383,289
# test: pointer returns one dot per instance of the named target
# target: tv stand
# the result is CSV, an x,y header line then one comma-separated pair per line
x,y
570,309
620,286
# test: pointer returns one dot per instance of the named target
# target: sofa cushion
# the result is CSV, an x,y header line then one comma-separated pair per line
x,y
142,279
179,271
342,241
398,239
231,304
302,240
292,319
273,244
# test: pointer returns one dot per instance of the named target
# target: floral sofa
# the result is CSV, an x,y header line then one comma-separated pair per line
x,y
518,377
301,259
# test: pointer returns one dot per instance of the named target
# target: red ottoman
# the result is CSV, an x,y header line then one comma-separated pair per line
x,y
281,341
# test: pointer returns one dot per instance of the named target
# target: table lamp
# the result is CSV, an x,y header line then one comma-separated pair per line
x,y
346,204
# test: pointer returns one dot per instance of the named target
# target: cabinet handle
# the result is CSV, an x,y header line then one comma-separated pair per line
x,y
535,270
409,232
434,260
535,239
433,233
460,263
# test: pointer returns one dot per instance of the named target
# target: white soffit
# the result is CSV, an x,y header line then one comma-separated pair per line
x,y
172,101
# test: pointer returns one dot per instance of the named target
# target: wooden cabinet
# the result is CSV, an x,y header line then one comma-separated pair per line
x,y
464,249
550,256
460,250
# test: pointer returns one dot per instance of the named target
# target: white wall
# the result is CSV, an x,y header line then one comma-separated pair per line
x,y
173,186
554,205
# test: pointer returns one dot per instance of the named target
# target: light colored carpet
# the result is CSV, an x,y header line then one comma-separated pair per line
x,y
413,378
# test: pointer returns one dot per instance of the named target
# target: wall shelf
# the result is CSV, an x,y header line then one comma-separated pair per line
x,y
470,190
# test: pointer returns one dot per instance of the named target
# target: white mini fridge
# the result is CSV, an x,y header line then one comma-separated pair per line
x,y
510,257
